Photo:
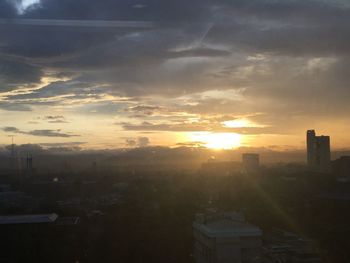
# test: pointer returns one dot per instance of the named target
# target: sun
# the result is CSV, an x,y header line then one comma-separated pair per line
x,y
218,141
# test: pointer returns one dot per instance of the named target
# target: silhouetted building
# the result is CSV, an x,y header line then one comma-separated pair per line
x,y
17,200
341,166
251,162
318,152
226,238
220,167
40,238
284,246
28,219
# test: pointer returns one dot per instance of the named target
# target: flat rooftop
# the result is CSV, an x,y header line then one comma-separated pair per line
x,y
227,228
28,219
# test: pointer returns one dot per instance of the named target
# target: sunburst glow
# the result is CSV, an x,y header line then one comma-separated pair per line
x,y
218,141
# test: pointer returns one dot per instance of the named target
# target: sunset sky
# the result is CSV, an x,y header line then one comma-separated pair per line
x,y
219,74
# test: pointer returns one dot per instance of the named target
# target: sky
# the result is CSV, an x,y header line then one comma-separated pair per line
x,y
220,74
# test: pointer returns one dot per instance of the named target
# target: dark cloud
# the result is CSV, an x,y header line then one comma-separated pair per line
x,y
43,149
50,133
46,42
7,9
143,141
14,73
40,133
11,129
43,42
127,57
130,142
55,119
137,142
159,10
143,110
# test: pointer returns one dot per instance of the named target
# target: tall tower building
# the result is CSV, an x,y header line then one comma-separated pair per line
x,y
318,152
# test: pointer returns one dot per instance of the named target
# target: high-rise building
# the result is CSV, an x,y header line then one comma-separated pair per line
x,y
250,162
318,152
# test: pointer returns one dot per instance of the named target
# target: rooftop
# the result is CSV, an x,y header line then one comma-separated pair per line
x,y
228,225
28,219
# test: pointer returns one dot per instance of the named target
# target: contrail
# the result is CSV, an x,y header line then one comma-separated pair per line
x,y
78,23
202,38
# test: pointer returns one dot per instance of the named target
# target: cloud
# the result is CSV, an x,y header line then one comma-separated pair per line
x,y
130,142
55,119
77,23
40,133
280,58
14,106
63,144
143,141
7,9
204,125
137,142
44,149
50,133
14,73
127,60
143,110
198,52
11,129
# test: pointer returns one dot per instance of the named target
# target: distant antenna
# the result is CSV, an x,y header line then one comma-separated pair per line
x,y
13,157
12,146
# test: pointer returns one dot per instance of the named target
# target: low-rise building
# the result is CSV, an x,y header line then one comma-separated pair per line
x,y
283,246
221,238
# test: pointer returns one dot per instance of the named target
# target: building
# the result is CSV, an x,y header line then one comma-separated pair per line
x,y
28,219
17,200
221,238
250,161
284,246
213,167
318,152
38,219
41,238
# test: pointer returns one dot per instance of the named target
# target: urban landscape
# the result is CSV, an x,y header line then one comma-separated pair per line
x,y
224,211
187,131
